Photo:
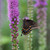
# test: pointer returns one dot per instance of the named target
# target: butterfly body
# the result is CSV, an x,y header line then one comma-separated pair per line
x,y
27,26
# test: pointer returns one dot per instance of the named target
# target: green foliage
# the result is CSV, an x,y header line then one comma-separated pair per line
x,y
5,29
4,40
48,26
35,37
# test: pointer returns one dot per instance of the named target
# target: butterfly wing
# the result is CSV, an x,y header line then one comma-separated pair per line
x,y
32,23
27,26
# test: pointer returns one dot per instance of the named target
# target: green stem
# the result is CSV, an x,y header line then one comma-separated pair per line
x,y
30,15
28,38
25,43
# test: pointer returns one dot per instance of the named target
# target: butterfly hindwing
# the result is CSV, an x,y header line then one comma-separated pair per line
x,y
26,31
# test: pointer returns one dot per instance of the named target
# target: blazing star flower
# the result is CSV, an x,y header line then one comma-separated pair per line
x,y
13,14
41,5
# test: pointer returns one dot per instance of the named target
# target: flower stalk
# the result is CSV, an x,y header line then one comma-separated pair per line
x,y
30,15
41,12
13,14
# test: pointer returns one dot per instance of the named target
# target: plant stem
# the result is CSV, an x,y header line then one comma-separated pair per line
x,y
41,5
30,15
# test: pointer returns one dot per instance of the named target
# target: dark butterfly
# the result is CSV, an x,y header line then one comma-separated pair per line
x,y
28,25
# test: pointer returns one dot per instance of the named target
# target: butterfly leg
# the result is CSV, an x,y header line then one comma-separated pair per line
x,y
35,28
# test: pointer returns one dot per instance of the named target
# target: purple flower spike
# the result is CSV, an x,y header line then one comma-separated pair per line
x,y
41,12
13,14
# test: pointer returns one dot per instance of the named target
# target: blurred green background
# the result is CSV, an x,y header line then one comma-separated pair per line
x,y
5,34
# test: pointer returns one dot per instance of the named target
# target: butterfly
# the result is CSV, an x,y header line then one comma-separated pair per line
x,y
28,25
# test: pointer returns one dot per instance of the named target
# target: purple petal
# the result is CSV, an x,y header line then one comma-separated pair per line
x,y
14,19
10,26
17,34
18,20
17,23
12,22
13,29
